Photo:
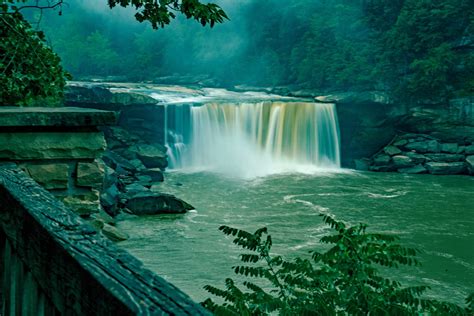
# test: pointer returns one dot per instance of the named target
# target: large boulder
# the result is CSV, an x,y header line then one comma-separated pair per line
x,y
152,156
150,203
446,167
109,199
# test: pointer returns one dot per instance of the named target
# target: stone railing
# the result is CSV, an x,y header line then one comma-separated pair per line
x,y
60,148
53,263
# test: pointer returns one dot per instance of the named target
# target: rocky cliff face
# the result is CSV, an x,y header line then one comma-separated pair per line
x,y
369,122
135,157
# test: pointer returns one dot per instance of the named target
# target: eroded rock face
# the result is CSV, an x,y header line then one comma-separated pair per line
x,y
149,203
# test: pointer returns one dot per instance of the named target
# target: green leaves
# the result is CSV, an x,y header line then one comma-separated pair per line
x,y
30,72
161,13
343,280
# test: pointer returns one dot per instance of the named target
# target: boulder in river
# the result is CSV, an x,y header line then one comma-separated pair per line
x,y
150,203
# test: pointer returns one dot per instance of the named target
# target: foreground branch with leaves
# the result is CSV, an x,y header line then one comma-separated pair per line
x,y
344,280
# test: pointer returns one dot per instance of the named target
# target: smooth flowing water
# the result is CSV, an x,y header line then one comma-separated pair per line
x,y
432,213
249,139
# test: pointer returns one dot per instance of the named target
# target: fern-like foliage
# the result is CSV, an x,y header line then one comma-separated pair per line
x,y
343,280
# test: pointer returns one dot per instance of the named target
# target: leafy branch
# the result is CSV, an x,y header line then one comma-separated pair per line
x,y
343,280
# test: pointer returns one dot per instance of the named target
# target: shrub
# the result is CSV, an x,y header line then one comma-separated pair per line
x,y
344,280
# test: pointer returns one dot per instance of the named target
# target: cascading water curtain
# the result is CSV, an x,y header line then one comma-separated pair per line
x,y
258,138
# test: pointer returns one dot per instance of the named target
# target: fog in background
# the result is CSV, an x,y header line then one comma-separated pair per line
x,y
258,45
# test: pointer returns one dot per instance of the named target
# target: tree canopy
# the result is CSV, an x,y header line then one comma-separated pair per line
x,y
29,69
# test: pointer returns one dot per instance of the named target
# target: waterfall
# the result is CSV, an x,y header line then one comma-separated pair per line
x,y
253,139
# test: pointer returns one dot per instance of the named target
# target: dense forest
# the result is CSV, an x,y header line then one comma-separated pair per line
x,y
413,49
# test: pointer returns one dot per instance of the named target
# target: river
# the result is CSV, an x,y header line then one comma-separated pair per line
x,y
432,213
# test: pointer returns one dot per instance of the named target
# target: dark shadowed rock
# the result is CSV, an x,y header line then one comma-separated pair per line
x,y
155,173
381,160
157,203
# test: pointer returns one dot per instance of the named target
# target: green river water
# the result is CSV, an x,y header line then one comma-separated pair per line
x,y
432,213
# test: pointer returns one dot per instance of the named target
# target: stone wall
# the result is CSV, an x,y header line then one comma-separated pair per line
x,y
60,148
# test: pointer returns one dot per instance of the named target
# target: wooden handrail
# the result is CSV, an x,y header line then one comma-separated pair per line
x,y
63,266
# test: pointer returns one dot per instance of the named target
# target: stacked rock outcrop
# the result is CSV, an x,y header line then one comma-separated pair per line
x,y
134,172
419,153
